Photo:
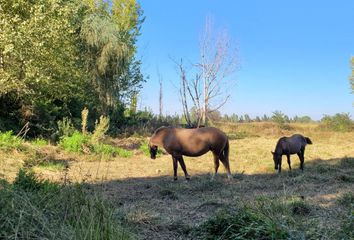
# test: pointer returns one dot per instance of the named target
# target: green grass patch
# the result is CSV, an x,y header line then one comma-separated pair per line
x,y
240,135
33,209
9,141
74,143
346,199
52,165
243,223
39,142
111,150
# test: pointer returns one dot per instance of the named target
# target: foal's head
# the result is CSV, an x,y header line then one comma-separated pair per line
x,y
277,159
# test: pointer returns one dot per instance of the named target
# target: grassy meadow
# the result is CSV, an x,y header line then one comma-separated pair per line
x,y
130,196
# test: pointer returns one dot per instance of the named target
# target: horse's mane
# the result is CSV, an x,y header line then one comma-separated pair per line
x,y
162,128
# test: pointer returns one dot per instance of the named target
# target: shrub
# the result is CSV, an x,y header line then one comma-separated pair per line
x,y
65,127
75,142
9,141
340,122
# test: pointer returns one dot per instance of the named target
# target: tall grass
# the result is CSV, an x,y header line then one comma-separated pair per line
x,y
33,209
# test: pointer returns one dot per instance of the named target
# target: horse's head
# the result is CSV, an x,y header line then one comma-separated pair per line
x,y
276,158
152,150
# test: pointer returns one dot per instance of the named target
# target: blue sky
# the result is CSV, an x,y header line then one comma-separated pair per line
x,y
294,55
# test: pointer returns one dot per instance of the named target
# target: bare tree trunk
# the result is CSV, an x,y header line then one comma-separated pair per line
x,y
160,95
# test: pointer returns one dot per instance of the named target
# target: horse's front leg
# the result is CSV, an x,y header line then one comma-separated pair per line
x,y
279,168
175,165
288,158
183,166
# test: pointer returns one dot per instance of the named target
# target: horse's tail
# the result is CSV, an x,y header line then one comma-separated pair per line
x,y
225,151
308,140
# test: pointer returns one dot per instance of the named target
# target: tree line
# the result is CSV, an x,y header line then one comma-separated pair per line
x,y
57,57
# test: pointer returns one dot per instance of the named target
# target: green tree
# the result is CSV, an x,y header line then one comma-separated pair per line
x,y
340,122
58,56
280,118
109,36
38,54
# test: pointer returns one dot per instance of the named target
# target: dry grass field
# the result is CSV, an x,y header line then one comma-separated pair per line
x,y
153,206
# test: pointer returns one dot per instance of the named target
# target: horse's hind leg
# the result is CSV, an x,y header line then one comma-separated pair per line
x,y
216,163
288,158
183,166
301,155
225,162
175,166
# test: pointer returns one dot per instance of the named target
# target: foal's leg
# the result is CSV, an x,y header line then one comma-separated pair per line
x,y
183,166
288,158
174,168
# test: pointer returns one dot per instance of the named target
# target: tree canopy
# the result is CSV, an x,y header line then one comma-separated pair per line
x,y
56,57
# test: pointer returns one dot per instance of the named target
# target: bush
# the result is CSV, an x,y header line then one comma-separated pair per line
x,y
340,122
32,209
9,141
75,142
65,127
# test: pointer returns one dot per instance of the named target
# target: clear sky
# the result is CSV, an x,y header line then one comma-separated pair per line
x,y
295,55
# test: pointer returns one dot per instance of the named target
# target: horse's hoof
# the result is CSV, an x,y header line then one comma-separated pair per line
x,y
188,178
175,179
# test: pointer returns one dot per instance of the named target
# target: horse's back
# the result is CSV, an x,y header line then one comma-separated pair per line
x,y
200,140
296,143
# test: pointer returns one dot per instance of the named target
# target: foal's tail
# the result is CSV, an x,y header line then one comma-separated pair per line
x,y
308,140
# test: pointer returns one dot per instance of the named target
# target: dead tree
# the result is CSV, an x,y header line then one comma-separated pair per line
x,y
218,63
160,94
208,90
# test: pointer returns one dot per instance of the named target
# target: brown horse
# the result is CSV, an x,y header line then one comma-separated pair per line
x,y
192,143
